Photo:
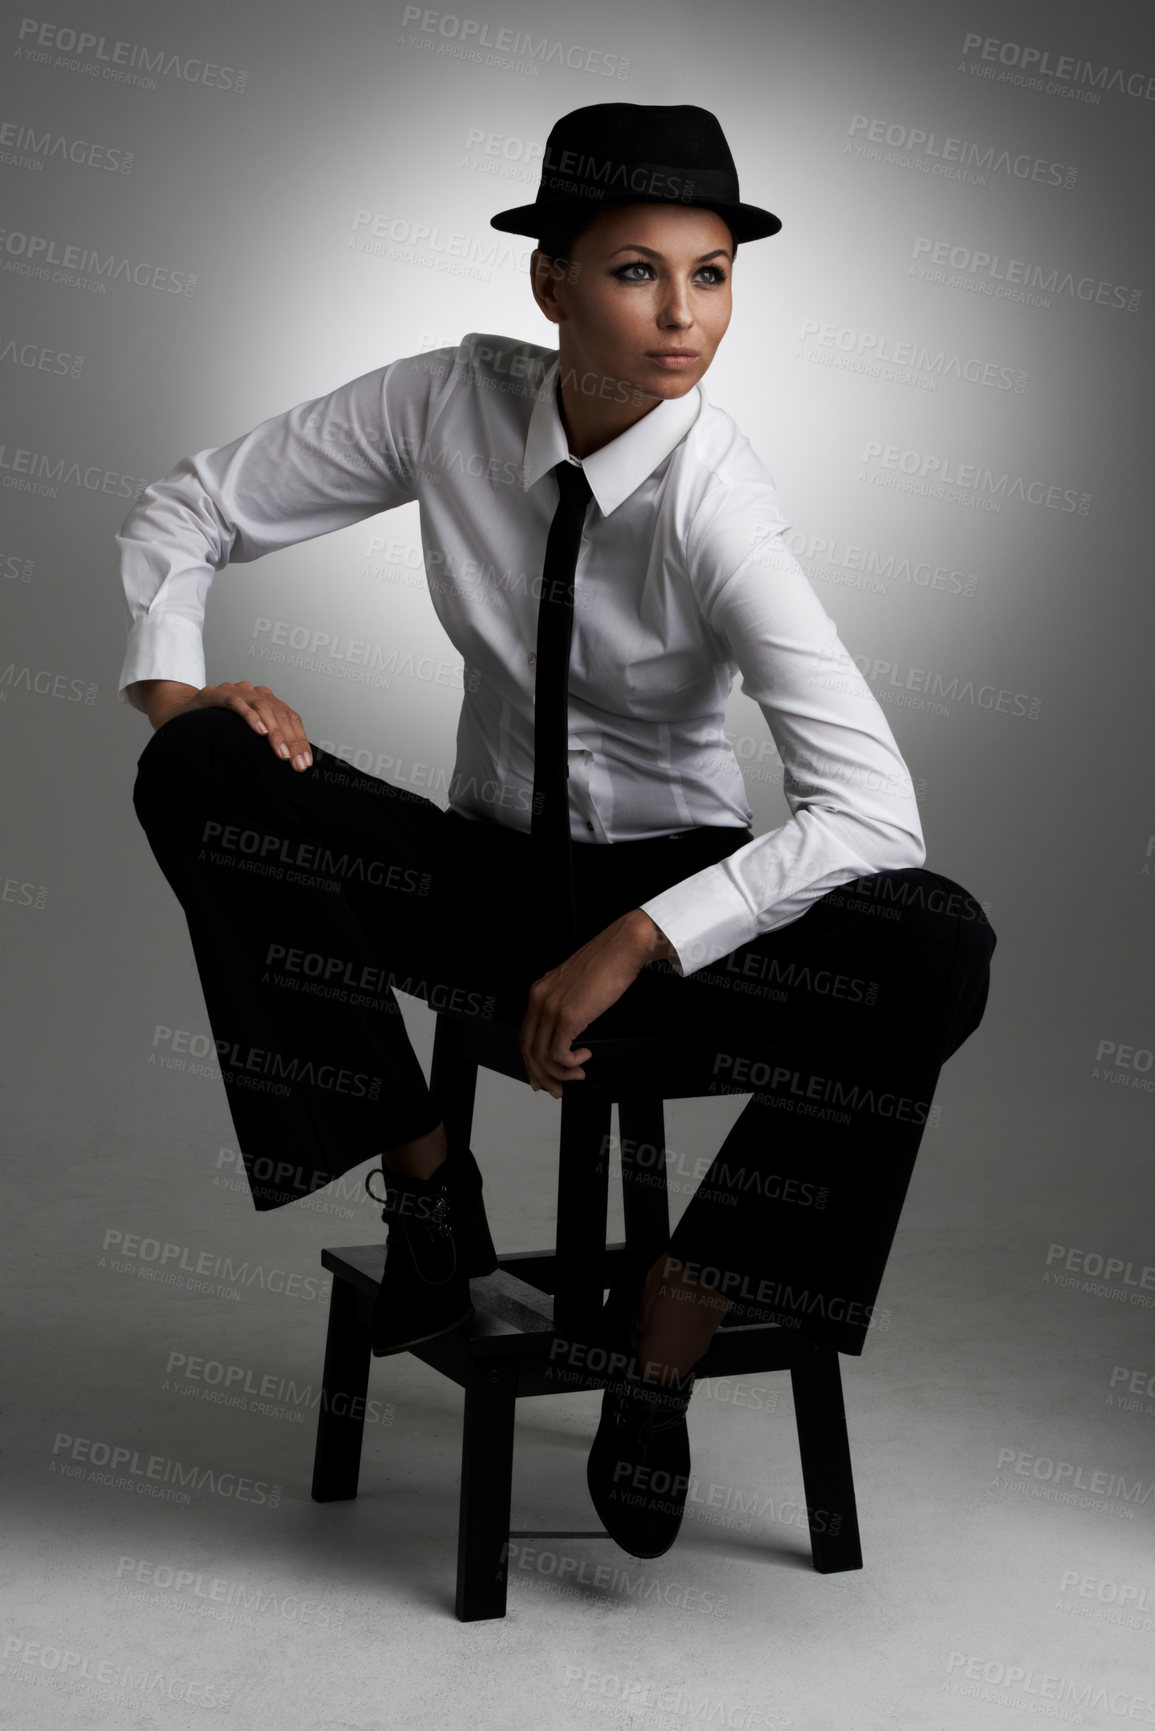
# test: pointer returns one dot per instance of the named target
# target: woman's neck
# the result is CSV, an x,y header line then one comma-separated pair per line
x,y
589,421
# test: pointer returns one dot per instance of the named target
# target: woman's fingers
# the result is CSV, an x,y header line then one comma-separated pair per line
x,y
267,714
286,730
546,1049
570,998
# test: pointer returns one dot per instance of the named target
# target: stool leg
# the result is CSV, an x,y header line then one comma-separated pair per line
x,y
486,1487
341,1413
825,1450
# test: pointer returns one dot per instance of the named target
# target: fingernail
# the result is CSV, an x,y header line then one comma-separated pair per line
x,y
299,762
261,728
282,749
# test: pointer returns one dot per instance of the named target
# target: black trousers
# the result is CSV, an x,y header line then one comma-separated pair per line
x,y
310,896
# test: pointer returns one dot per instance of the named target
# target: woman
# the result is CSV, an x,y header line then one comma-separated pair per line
x,y
589,509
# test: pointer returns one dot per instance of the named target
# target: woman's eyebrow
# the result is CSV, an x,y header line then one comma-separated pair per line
x,y
634,246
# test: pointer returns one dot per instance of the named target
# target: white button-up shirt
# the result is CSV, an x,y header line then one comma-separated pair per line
x,y
683,581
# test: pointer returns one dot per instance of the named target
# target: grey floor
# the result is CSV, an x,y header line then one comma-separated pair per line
x,y
1003,1579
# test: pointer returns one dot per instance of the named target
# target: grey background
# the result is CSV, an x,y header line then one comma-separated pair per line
x,y
1044,1118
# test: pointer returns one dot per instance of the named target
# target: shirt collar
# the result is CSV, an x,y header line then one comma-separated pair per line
x,y
620,467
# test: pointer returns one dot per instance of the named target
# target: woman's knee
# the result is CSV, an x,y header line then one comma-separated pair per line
x,y
926,902
184,747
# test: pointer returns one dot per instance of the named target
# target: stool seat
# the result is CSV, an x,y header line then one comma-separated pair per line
x,y
536,1324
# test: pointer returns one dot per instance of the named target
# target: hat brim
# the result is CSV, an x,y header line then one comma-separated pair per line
x,y
746,221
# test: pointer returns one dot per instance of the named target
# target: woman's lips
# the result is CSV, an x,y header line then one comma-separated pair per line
x,y
675,363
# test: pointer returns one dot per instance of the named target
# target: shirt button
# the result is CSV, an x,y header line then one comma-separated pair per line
x,y
532,660
588,824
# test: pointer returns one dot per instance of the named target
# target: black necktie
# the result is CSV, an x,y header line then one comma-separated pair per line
x,y
549,823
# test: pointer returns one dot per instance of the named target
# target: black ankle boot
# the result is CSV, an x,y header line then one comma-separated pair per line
x,y
480,1255
438,1237
638,1471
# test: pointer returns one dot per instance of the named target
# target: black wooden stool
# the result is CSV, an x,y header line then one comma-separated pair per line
x,y
539,1304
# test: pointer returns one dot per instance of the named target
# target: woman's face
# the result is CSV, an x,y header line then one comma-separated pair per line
x,y
647,278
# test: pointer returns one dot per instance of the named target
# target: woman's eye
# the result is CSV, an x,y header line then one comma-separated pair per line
x,y
716,273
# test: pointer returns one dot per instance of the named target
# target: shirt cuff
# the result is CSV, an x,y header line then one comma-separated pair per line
x,y
163,646
704,917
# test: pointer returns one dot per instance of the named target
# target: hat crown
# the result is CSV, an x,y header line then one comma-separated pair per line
x,y
683,137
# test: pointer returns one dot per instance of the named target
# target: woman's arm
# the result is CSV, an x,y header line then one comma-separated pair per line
x,y
851,797
319,467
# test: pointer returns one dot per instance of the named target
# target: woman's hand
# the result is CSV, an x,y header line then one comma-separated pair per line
x,y
263,711
575,993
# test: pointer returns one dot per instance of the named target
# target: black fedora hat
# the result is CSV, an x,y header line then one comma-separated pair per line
x,y
627,153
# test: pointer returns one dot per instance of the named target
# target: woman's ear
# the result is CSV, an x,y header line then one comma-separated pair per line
x,y
544,279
